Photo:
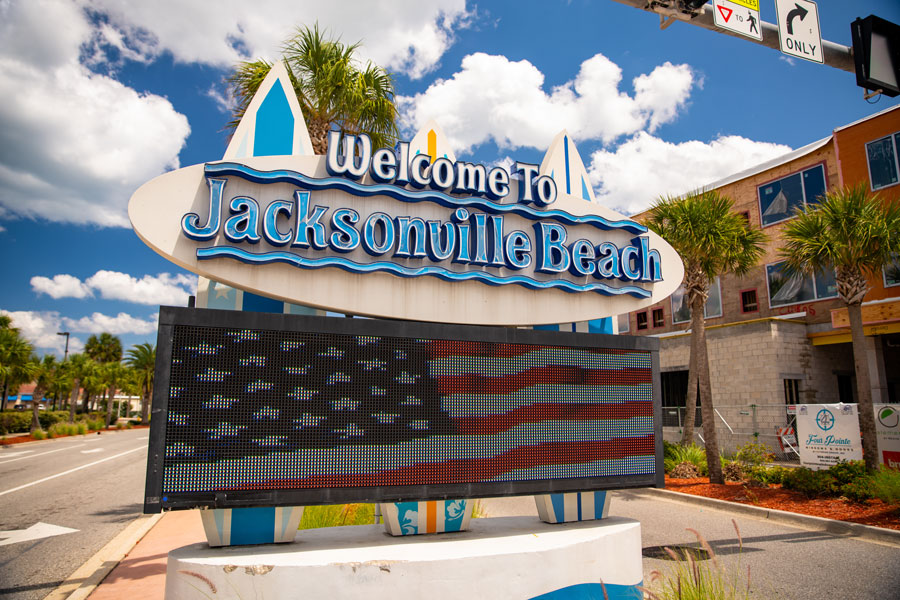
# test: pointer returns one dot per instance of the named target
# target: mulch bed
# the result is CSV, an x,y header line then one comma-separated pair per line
x,y
871,512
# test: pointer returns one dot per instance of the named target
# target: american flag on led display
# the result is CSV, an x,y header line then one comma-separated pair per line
x,y
284,410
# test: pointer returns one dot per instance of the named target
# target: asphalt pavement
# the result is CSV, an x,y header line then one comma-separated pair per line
x,y
61,501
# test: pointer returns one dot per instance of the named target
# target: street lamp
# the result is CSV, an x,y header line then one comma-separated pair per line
x,y
65,333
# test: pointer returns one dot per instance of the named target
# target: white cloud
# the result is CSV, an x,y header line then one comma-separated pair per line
x,y
164,288
120,324
643,168
407,36
494,98
61,286
83,141
41,327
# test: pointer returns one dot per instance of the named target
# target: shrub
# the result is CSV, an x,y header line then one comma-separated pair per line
x,y
48,417
95,425
38,434
886,485
859,490
764,474
754,453
848,479
120,425
732,471
80,428
129,425
693,454
15,421
685,470
808,482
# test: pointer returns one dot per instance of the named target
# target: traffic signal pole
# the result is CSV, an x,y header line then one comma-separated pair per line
x,y
670,11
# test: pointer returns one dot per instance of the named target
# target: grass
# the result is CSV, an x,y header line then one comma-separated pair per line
x,y
692,579
337,515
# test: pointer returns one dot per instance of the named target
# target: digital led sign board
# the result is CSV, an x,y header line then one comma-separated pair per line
x,y
266,409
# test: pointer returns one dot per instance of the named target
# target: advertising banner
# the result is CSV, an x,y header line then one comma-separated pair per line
x,y
887,429
828,434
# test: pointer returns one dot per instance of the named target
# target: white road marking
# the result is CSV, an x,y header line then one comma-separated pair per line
x,y
35,532
3,462
12,454
92,450
96,462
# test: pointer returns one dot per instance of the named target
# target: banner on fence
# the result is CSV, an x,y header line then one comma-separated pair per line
x,y
828,434
887,430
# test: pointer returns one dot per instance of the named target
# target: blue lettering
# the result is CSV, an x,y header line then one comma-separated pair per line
x,y
190,223
552,256
345,238
243,226
405,225
387,234
308,223
518,248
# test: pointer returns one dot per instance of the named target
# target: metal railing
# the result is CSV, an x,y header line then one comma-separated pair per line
x,y
739,425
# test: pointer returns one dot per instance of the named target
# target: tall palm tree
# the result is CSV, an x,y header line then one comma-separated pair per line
x,y
333,91
43,373
105,348
78,366
856,235
711,240
113,374
15,354
142,358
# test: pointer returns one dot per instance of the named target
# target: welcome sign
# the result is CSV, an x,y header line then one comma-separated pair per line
x,y
396,232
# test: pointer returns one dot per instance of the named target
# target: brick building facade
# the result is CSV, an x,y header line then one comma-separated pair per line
x,y
773,340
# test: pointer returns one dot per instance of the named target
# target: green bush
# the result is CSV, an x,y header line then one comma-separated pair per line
x,y
58,429
886,485
764,474
848,479
859,490
678,454
80,428
754,453
95,424
48,417
808,482
38,434
15,421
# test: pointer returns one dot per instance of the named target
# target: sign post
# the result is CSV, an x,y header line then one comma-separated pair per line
x,y
739,16
798,29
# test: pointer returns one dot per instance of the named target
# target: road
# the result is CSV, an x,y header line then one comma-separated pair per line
x,y
93,484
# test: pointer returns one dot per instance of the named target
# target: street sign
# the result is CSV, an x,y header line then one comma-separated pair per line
x,y
739,16
798,29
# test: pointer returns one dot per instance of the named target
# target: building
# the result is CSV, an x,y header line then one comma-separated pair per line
x,y
775,341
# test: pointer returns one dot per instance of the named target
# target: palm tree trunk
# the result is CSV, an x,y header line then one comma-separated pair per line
x,y
35,421
698,348
73,399
318,134
145,403
863,388
5,392
109,406
690,404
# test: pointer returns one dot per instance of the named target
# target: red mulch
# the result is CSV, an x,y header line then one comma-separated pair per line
x,y
27,438
870,512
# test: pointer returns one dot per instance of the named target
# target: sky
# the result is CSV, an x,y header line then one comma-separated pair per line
x,y
100,96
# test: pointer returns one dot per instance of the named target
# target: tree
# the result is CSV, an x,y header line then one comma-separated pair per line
x,y
44,371
333,91
105,348
15,354
78,367
711,240
142,358
112,373
856,235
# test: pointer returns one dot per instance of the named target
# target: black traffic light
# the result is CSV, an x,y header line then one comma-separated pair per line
x,y
876,52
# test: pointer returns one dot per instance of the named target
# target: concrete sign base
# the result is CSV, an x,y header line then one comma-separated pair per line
x,y
504,557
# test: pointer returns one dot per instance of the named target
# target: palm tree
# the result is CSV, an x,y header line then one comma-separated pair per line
x,y
711,240
113,374
15,353
105,348
43,373
332,90
78,366
142,358
856,235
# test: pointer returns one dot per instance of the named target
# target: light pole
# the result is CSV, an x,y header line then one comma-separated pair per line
x,y
65,333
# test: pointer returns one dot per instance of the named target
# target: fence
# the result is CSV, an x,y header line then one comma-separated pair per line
x,y
737,425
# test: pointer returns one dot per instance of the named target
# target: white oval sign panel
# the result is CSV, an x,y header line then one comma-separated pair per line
x,y
389,235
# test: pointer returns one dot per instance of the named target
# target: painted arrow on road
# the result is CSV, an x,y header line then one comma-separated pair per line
x,y
35,532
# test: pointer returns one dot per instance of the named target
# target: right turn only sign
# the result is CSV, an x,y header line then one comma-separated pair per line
x,y
798,29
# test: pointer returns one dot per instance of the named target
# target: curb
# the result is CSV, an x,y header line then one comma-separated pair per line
x,y
88,576
887,537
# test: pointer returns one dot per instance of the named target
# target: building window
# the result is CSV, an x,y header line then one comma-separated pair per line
x,y
681,310
784,290
659,317
882,157
641,320
748,301
778,199
792,391
892,272
623,323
